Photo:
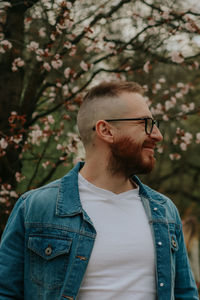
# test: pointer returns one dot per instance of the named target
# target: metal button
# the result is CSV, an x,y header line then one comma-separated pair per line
x,y
159,243
174,242
48,250
155,208
161,284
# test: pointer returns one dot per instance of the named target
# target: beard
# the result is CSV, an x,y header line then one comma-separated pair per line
x,y
126,158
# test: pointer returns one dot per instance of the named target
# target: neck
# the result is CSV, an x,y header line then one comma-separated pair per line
x,y
97,173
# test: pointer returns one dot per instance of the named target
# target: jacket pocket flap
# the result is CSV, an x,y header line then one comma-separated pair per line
x,y
48,247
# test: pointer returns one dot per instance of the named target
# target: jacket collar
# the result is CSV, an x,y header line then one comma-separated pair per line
x,y
68,200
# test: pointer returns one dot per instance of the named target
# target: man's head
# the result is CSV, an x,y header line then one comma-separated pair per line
x,y
128,144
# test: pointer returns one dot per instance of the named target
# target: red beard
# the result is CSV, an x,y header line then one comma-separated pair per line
x,y
127,158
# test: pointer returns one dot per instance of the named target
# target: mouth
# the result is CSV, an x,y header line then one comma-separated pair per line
x,y
150,148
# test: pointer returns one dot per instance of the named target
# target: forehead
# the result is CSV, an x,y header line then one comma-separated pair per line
x,y
135,105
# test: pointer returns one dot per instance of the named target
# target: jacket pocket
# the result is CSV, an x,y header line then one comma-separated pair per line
x,y
48,260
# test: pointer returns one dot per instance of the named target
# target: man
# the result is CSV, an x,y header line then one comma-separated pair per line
x,y
99,233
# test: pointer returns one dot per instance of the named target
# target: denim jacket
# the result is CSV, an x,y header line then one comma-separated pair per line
x,y
48,240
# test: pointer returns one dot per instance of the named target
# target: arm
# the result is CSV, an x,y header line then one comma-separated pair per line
x,y
12,255
185,287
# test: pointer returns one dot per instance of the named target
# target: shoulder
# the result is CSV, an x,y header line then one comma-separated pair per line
x,y
172,212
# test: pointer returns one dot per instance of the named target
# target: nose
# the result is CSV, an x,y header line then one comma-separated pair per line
x,y
156,134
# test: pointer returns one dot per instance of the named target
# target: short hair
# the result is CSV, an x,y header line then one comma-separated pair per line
x,y
97,103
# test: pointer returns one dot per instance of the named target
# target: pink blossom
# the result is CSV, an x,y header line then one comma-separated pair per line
x,y
69,5
67,45
73,51
146,67
151,22
3,143
174,156
19,177
180,84
75,89
67,72
196,64
50,119
42,32
13,194
6,4
5,45
183,146
47,66
65,90
198,138
177,57
165,15
46,164
17,63
162,80
84,66
59,147
189,27
56,64
33,46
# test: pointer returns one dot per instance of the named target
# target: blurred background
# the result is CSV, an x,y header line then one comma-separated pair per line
x,y
52,51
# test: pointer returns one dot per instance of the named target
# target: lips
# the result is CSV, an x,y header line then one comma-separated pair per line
x,y
149,147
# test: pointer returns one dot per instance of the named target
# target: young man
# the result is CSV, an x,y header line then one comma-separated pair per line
x,y
99,233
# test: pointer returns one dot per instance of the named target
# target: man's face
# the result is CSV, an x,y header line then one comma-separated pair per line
x,y
132,151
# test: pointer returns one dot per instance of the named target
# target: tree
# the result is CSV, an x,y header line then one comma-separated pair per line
x,y
52,51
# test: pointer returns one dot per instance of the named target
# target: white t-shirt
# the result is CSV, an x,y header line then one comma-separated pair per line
x,y
122,263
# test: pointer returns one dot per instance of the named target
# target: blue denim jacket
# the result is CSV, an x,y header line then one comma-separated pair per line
x,y
48,241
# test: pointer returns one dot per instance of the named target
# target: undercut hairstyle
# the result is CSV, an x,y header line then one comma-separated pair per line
x,y
102,102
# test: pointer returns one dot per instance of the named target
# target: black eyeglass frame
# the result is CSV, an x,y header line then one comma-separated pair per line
x,y
154,122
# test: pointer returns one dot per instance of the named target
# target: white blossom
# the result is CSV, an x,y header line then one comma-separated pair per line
x,y
84,66
33,46
3,143
146,66
5,45
56,64
17,63
47,66
176,57
67,72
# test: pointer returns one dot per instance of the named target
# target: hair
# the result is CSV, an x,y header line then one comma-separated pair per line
x,y
102,102
190,231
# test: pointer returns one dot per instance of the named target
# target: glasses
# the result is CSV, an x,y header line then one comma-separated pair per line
x,y
149,123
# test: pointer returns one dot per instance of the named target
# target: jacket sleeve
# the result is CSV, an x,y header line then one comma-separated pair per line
x,y
185,286
12,255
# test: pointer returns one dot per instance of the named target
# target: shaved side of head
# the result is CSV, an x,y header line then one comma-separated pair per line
x,y
103,102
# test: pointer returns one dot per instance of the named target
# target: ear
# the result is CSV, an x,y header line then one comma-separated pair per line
x,y
105,131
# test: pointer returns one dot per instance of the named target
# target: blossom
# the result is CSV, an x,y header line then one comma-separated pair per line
x,y
17,63
3,143
176,57
65,90
5,45
84,66
50,119
183,146
19,177
59,147
33,46
198,138
174,156
35,135
146,66
56,64
46,66
42,32
67,72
